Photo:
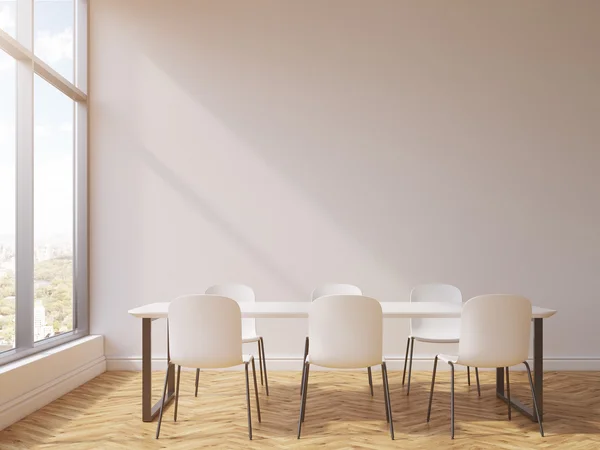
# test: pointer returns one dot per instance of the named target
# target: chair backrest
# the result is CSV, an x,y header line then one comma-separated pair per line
x,y
345,331
335,288
241,294
205,331
435,292
495,331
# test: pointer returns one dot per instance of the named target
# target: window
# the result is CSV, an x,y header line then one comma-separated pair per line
x,y
53,210
8,90
53,34
8,17
43,175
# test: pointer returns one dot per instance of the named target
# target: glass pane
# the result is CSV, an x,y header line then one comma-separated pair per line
x,y
53,210
8,91
53,34
8,17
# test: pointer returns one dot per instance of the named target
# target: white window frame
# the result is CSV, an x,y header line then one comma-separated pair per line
x,y
29,64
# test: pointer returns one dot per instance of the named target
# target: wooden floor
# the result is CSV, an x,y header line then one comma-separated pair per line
x,y
105,414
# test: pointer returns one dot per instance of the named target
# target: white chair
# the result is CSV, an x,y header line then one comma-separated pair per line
x,y
205,332
346,332
495,332
241,294
336,289
438,331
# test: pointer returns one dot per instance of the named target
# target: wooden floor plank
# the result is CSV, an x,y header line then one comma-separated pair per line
x,y
105,414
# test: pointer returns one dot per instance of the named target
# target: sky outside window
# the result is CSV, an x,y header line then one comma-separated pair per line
x,y
53,34
8,17
53,42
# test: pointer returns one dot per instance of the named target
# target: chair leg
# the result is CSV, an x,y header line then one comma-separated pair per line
x,y
197,380
177,393
387,410
304,365
435,361
305,391
468,376
452,400
256,390
508,394
412,348
388,397
162,404
477,378
248,402
264,363
303,399
405,360
370,380
260,365
535,404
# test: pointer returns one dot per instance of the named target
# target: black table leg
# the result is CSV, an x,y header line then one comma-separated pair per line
x,y
500,381
538,364
149,411
538,369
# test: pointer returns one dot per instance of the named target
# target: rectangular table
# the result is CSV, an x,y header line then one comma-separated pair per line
x,y
298,310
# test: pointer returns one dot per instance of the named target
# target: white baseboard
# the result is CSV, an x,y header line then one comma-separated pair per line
x,y
394,364
37,396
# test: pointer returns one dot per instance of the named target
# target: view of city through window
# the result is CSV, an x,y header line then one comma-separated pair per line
x,y
53,176
8,89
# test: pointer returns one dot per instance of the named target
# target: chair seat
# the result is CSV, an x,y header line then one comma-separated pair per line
x,y
249,339
448,358
436,338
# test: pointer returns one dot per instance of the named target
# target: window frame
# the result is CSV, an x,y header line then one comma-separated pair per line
x,y
28,64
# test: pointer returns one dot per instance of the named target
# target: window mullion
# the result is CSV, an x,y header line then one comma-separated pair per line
x,y
80,248
25,246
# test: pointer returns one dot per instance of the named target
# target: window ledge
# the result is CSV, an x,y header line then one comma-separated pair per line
x,y
39,379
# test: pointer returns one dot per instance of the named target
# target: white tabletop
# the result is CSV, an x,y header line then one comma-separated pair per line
x,y
295,310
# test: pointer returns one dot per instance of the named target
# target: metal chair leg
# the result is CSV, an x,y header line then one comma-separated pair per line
x,y
508,394
260,365
303,399
387,411
305,390
177,393
264,363
197,380
435,361
304,364
452,400
468,376
388,398
412,348
162,404
477,378
248,402
405,360
256,390
535,404
370,380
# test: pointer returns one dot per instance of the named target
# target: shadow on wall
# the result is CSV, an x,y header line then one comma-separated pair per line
x,y
203,207
431,139
396,145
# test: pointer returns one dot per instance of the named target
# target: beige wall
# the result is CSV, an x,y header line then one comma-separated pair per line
x,y
385,144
